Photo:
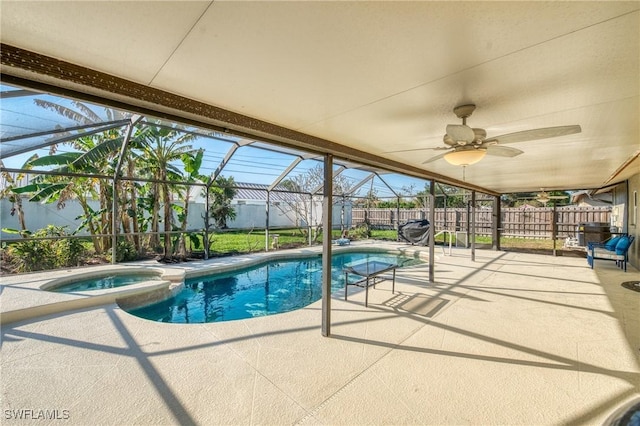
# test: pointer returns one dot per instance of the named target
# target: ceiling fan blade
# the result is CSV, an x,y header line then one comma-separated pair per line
x,y
437,157
534,134
461,132
503,151
438,148
405,150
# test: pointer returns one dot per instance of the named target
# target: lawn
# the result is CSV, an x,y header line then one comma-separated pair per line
x,y
235,242
239,242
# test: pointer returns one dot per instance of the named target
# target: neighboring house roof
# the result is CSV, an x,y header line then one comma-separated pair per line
x,y
588,198
258,192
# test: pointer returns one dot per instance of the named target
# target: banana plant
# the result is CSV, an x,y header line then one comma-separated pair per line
x,y
159,149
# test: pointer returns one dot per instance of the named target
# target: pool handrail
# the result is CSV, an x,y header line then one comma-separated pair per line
x,y
446,231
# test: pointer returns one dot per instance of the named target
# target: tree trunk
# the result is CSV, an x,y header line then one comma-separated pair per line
x,y
168,246
105,217
91,225
154,240
182,248
125,221
23,226
134,209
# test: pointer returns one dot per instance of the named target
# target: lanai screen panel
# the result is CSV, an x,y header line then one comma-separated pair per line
x,y
43,124
30,121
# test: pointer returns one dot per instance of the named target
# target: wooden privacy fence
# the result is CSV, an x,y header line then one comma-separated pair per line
x,y
516,222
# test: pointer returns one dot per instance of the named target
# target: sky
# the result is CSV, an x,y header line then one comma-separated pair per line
x,y
19,115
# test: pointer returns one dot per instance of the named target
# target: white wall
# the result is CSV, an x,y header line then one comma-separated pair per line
x,y
254,216
248,216
37,216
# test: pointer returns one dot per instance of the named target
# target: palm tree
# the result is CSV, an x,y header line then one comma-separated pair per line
x,y
94,154
161,148
192,163
15,198
221,194
93,158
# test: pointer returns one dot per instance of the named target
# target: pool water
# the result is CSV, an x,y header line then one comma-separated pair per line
x,y
102,283
267,289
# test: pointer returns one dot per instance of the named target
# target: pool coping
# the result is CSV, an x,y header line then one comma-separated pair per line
x,y
18,302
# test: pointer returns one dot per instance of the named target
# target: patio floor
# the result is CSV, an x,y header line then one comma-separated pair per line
x,y
512,338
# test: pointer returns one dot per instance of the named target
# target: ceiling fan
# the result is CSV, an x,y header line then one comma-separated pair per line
x,y
544,197
466,145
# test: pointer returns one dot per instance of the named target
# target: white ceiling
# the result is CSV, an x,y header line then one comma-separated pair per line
x,y
381,76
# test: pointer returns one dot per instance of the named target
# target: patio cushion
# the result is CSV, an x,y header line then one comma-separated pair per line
x,y
623,245
612,243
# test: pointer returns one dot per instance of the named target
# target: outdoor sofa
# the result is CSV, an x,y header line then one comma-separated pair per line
x,y
615,249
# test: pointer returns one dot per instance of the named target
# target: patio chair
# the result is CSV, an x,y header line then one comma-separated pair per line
x,y
615,249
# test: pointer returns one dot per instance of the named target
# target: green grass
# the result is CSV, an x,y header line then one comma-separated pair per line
x,y
384,234
240,242
392,235
247,242
529,243
233,242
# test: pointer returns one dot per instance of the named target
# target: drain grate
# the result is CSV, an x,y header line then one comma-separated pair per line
x,y
632,285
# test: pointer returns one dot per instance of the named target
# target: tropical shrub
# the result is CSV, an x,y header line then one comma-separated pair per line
x,y
125,251
42,254
361,232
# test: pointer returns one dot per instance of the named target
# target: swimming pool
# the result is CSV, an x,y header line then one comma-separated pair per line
x,y
100,283
267,289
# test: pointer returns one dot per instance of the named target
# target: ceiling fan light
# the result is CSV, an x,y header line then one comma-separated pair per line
x,y
543,197
465,157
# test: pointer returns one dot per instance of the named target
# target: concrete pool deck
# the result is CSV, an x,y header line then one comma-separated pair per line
x,y
512,338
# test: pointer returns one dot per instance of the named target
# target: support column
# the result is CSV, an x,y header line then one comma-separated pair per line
x,y
432,230
397,218
310,224
116,173
497,223
446,222
472,220
207,206
266,222
468,227
327,203
554,227
342,224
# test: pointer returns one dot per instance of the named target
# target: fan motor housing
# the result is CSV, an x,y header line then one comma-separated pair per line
x,y
464,111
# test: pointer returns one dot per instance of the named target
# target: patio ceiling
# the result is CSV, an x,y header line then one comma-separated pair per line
x,y
371,81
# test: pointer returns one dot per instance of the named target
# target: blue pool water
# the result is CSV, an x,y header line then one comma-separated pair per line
x,y
267,289
101,283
